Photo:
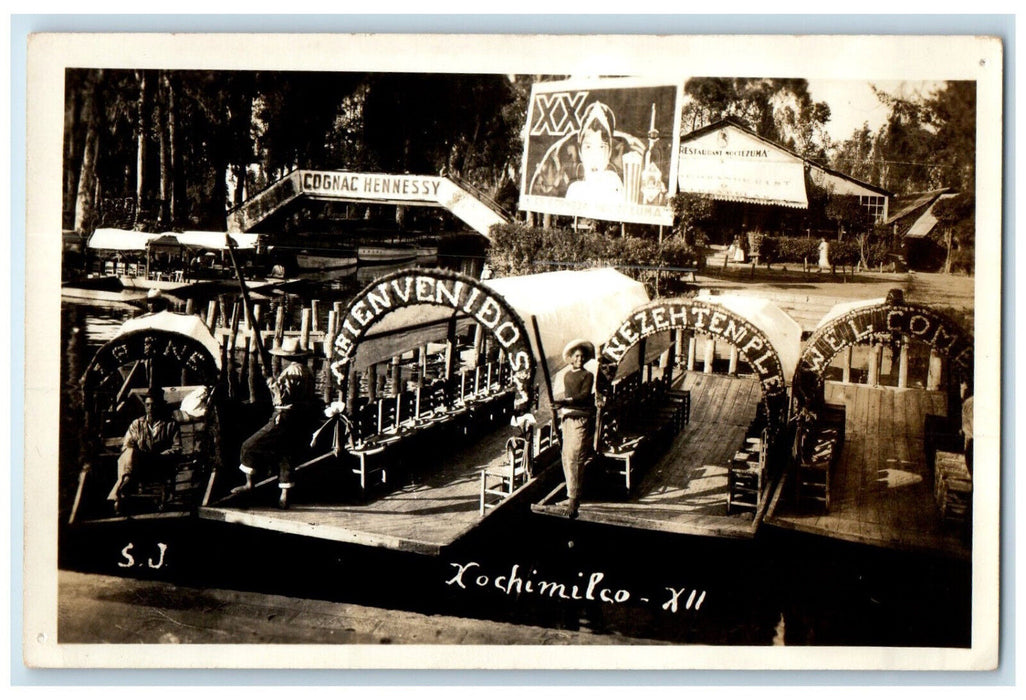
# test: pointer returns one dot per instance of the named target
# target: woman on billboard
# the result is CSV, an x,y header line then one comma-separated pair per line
x,y
598,181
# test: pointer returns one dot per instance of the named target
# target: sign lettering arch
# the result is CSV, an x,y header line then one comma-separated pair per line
x,y
891,320
701,317
460,293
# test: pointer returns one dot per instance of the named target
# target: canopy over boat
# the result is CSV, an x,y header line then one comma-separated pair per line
x,y
838,310
170,322
783,332
568,304
588,304
120,239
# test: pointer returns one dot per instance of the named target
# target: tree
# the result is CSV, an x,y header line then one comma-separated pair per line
x,y
781,110
957,218
689,211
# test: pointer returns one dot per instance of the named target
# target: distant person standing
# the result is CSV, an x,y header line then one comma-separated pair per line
x,y
739,249
577,418
824,254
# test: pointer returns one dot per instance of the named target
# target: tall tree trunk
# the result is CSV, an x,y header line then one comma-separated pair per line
x,y
164,215
85,198
72,157
947,255
142,131
175,177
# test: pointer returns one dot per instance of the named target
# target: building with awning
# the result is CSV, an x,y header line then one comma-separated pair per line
x,y
757,183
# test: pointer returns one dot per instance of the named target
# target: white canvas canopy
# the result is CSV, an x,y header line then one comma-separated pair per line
x,y
182,324
783,332
570,304
838,310
120,239
215,240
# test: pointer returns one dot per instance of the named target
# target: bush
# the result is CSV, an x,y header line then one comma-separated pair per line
x,y
517,249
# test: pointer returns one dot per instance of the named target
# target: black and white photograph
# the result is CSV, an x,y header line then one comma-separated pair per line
x,y
510,352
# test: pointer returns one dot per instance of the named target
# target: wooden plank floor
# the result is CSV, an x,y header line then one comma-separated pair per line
x,y
685,491
881,492
424,514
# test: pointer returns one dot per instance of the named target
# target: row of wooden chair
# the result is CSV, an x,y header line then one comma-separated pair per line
x,y
500,481
640,419
817,447
407,409
747,474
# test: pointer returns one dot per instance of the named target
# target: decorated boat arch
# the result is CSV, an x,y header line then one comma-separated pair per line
x,y
886,320
397,302
765,337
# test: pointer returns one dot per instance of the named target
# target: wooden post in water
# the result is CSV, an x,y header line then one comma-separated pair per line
x,y
304,329
212,315
710,355
279,323
846,366
933,375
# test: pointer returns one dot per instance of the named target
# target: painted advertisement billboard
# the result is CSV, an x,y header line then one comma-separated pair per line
x,y
602,149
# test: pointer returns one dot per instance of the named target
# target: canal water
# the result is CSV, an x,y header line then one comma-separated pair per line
x,y
521,567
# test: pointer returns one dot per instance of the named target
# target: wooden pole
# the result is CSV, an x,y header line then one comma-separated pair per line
x,y
874,364
212,314
230,243
692,352
732,363
710,355
933,376
315,306
304,329
903,364
279,323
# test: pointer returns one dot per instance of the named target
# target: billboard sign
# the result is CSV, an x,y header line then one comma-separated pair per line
x,y
602,149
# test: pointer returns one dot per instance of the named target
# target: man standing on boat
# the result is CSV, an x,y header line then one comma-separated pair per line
x,y
147,445
577,418
287,433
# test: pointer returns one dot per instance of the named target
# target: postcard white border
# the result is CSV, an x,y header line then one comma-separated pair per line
x,y
656,58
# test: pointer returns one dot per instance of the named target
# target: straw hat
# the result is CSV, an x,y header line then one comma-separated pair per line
x,y
586,345
290,347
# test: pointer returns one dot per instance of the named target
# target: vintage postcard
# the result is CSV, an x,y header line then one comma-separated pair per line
x,y
504,352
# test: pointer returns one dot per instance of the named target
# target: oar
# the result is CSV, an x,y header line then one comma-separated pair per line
x,y
261,353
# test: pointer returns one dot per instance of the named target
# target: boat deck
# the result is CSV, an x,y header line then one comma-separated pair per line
x,y
881,491
685,491
419,512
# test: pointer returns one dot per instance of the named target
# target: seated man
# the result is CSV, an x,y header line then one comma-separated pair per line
x,y
149,443
276,445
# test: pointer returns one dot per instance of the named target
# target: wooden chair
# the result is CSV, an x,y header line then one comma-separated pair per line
x,y
499,482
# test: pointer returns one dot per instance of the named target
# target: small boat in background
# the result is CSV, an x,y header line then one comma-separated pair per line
x,y
387,254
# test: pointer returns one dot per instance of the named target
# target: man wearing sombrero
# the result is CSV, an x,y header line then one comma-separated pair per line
x,y
277,444
577,418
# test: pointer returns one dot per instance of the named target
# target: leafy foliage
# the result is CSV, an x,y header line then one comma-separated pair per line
x,y
518,249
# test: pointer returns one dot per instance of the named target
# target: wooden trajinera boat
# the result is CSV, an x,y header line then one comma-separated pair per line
x,y
435,413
